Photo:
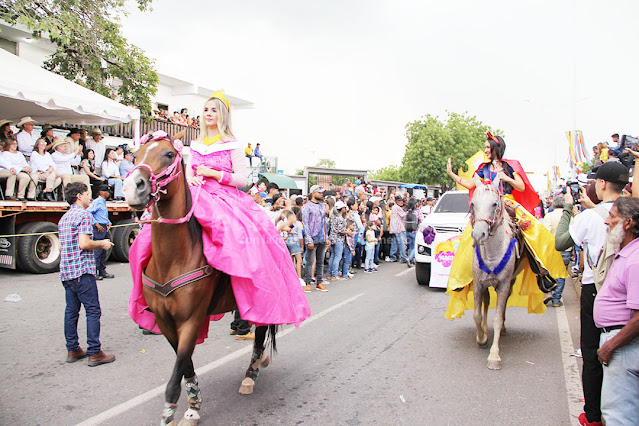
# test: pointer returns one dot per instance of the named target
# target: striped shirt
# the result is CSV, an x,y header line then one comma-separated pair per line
x,y
75,262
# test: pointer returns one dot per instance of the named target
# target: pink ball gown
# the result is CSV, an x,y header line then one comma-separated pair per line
x,y
239,240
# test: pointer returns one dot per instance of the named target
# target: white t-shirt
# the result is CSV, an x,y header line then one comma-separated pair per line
x,y
589,231
40,163
26,142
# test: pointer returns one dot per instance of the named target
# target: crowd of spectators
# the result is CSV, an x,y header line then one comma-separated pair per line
x,y
182,118
29,158
596,228
353,228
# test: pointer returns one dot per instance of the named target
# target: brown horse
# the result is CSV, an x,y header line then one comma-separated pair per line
x,y
177,259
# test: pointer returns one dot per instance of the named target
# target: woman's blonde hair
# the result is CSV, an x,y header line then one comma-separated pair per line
x,y
223,121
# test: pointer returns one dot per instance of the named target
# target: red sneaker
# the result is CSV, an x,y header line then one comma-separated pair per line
x,y
583,421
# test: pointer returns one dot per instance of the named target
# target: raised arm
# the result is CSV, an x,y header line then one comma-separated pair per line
x,y
466,183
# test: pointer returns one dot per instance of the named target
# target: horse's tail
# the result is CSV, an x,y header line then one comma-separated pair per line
x,y
271,337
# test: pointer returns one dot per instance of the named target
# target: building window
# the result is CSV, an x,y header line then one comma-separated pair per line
x,y
9,46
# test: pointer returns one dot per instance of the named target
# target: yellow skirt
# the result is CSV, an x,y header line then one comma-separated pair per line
x,y
526,293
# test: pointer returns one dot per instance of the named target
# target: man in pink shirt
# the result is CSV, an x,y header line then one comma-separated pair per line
x,y
397,230
616,313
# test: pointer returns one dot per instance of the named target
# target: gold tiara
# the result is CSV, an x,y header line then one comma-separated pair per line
x,y
220,95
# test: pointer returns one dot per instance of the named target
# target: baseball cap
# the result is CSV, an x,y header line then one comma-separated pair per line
x,y
340,205
316,188
373,199
613,171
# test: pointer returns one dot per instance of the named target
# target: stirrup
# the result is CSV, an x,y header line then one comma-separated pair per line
x,y
546,283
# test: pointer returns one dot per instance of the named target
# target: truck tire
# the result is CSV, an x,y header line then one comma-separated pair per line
x,y
123,237
19,230
38,254
422,273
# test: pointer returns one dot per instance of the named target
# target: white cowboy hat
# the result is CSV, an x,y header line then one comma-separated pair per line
x,y
96,131
3,122
58,142
25,120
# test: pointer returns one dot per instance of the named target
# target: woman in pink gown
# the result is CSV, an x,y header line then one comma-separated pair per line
x,y
238,237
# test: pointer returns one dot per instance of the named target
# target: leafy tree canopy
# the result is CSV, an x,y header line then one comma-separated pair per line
x,y
392,173
91,50
432,141
326,162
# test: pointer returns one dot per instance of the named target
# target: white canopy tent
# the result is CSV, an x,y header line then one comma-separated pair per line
x,y
28,90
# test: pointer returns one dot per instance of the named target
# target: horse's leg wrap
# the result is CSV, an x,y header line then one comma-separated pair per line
x,y
168,415
193,393
254,369
258,359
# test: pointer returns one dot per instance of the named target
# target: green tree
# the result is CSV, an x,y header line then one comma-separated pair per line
x,y
392,173
91,50
432,141
326,162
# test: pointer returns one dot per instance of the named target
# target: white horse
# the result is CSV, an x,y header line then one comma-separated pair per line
x,y
496,262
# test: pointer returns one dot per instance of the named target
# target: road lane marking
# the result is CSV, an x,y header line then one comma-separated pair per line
x,y
155,392
574,391
404,272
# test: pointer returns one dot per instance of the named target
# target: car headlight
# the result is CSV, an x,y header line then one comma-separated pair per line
x,y
424,250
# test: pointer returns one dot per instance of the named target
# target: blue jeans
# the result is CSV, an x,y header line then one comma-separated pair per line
x,y
561,282
398,243
314,255
82,291
620,388
370,253
336,256
100,254
393,249
410,240
348,256
117,187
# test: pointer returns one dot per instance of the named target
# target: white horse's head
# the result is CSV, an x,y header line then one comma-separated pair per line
x,y
486,208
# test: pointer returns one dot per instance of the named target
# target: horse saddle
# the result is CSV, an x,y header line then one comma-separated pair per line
x,y
545,282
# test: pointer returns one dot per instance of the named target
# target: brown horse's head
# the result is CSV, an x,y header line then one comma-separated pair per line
x,y
157,164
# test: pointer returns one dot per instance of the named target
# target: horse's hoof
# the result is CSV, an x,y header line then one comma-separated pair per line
x,y
265,360
494,365
483,345
191,418
246,388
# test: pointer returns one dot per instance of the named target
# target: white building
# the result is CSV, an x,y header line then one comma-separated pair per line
x,y
173,93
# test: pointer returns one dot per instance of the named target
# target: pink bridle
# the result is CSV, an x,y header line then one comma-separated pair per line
x,y
160,181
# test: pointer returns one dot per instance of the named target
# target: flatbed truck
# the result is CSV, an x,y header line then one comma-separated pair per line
x,y
37,249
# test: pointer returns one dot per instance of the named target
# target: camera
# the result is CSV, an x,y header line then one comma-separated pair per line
x,y
574,191
626,158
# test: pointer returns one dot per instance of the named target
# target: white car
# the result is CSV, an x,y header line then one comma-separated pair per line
x,y
444,228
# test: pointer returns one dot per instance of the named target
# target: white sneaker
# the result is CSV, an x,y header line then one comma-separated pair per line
x,y
387,259
351,275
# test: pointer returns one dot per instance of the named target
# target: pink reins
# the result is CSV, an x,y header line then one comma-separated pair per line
x,y
160,181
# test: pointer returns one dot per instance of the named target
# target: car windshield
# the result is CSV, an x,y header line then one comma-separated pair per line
x,y
453,203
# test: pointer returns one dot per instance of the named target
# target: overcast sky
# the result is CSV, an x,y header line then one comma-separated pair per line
x,y
340,79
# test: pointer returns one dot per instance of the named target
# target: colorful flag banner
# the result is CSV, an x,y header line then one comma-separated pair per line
x,y
577,149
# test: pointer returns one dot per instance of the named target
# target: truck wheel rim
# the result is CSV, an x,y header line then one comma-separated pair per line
x,y
47,248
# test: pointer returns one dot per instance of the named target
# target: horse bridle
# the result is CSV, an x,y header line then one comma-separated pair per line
x,y
498,211
160,181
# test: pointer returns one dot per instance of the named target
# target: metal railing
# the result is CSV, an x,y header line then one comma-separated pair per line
x,y
125,130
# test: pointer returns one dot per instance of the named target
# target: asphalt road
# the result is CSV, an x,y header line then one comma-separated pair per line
x,y
377,350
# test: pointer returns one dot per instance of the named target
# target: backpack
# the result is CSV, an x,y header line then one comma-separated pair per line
x,y
411,221
606,256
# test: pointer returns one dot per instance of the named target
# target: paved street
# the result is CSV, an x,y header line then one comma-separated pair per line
x,y
377,350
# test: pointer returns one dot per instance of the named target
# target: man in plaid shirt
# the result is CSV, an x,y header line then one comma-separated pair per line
x,y
77,273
